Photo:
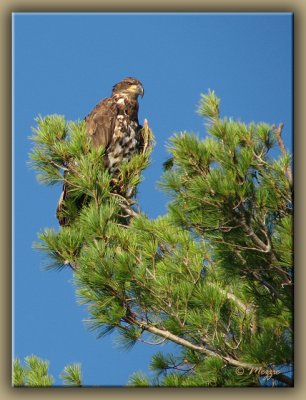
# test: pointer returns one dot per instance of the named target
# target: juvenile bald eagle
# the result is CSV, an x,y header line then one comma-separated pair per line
x,y
113,124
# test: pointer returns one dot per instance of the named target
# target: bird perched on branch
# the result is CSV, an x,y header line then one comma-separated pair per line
x,y
113,124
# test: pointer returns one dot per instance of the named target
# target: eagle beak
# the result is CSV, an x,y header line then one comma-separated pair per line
x,y
140,90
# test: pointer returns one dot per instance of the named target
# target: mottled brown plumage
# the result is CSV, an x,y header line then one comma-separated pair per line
x,y
113,124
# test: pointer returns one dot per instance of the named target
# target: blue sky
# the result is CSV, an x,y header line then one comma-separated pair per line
x,y
64,64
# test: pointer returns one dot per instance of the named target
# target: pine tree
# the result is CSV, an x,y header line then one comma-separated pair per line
x,y
213,275
35,373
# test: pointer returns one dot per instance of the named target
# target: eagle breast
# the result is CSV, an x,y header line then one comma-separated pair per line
x,y
125,139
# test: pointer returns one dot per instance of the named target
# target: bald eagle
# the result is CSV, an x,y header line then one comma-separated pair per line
x,y
113,124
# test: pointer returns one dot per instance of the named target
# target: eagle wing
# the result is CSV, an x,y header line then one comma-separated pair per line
x,y
100,126
100,123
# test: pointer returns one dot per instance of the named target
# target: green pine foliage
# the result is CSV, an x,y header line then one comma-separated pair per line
x,y
71,375
18,378
35,373
213,275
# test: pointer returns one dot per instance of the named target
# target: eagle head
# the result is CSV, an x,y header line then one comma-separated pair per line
x,y
129,86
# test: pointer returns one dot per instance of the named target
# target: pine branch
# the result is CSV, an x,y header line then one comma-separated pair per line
x,y
203,275
252,368
71,375
265,248
278,131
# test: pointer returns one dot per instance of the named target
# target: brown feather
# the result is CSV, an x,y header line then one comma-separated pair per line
x,y
100,123
113,124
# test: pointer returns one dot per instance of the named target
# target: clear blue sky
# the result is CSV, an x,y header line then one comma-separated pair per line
x,y
66,63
